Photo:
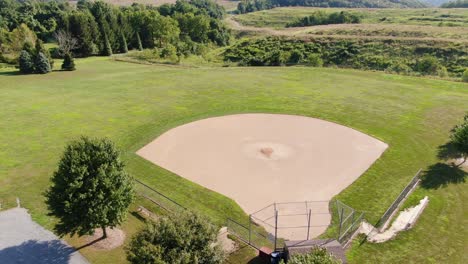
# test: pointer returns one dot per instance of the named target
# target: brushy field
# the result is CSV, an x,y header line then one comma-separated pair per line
x,y
134,103
279,17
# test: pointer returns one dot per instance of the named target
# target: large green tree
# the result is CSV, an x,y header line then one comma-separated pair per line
x,y
459,139
90,188
186,238
84,29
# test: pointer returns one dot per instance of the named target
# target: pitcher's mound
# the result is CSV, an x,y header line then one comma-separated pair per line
x,y
115,238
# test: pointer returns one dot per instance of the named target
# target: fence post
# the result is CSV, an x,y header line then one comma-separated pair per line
x,y
250,229
308,224
276,226
341,223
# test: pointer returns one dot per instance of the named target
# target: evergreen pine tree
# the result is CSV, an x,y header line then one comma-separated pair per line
x,y
68,63
107,47
140,46
42,64
39,46
26,64
123,43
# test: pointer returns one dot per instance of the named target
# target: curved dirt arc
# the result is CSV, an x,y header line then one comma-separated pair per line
x,y
260,159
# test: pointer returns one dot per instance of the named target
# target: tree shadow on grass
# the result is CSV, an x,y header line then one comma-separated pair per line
x,y
441,174
38,252
90,243
448,152
10,73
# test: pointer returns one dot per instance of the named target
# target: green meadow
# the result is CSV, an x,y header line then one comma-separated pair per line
x,y
133,103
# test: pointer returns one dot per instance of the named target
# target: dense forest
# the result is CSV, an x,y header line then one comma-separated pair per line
x,y
456,4
99,28
247,6
407,57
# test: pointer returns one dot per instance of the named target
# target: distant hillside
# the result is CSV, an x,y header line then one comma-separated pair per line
x,y
247,6
435,2
456,4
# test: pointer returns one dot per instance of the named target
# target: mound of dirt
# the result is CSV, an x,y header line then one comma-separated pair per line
x,y
267,151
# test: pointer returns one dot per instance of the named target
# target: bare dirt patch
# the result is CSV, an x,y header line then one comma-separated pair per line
x,y
259,159
115,238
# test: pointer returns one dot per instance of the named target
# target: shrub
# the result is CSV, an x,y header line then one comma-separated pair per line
x,y
315,256
68,63
42,64
183,238
277,58
400,68
150,55
26,64
465,76
296,57
428,65
442,72
314,60
322,18
169,52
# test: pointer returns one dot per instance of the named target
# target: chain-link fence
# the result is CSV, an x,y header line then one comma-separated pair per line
x,y
384,220
156,197
349,221
250,234
294,220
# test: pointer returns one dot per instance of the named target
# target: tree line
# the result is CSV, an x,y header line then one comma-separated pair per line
x,y
247,6
99,28
323,18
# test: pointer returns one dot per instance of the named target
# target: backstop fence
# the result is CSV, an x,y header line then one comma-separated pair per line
x,y
349,221
297,221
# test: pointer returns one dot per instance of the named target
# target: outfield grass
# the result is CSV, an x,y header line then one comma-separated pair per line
x,y
279,17
133,103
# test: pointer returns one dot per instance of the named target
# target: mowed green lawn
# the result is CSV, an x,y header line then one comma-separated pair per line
x,y
132,104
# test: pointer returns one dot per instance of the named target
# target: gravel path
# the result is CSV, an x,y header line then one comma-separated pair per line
x,y
24,241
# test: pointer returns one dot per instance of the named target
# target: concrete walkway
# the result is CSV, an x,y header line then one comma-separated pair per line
x,y
23,241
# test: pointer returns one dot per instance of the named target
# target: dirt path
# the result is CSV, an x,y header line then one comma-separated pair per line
x,y
24,241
